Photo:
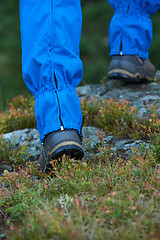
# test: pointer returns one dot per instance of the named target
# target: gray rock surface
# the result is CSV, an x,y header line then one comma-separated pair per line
x,y
140,95
93,139
95,90
28,137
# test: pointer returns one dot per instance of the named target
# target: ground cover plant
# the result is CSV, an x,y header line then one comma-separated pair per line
x,y
93,199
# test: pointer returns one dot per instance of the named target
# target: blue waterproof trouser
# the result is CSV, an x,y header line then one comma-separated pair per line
x,y
130,29
51,67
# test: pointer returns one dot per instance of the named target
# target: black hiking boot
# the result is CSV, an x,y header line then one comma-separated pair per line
x,y
131,68
57,144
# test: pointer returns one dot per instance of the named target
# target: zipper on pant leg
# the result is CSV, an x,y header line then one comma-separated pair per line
x,y
62,126
51,48
121,53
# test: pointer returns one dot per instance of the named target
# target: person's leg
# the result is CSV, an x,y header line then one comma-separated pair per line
x,y
51,67
130,33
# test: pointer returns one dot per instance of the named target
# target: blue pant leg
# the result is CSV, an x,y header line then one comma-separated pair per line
x,y
51,67
130,29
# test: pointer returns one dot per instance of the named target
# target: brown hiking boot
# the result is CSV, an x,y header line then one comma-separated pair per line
x,y
57,144
131,68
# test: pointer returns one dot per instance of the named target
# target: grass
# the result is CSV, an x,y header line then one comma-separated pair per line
x,y
105,197
84,201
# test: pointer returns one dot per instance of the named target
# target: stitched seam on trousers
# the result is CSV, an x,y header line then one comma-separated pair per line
x,y
52,41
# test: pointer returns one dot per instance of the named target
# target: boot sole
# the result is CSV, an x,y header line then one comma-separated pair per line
x,y
128,77
67,145
57,144
124,70
72,151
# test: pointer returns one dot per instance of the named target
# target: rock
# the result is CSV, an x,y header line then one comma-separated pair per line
x,y
92,134
24,137
125,146
91,140
95,90
157,75
120,147
84,91
140,95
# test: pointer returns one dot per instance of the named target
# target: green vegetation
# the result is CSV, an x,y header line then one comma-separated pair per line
x,y
94,46
105,197
115,117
